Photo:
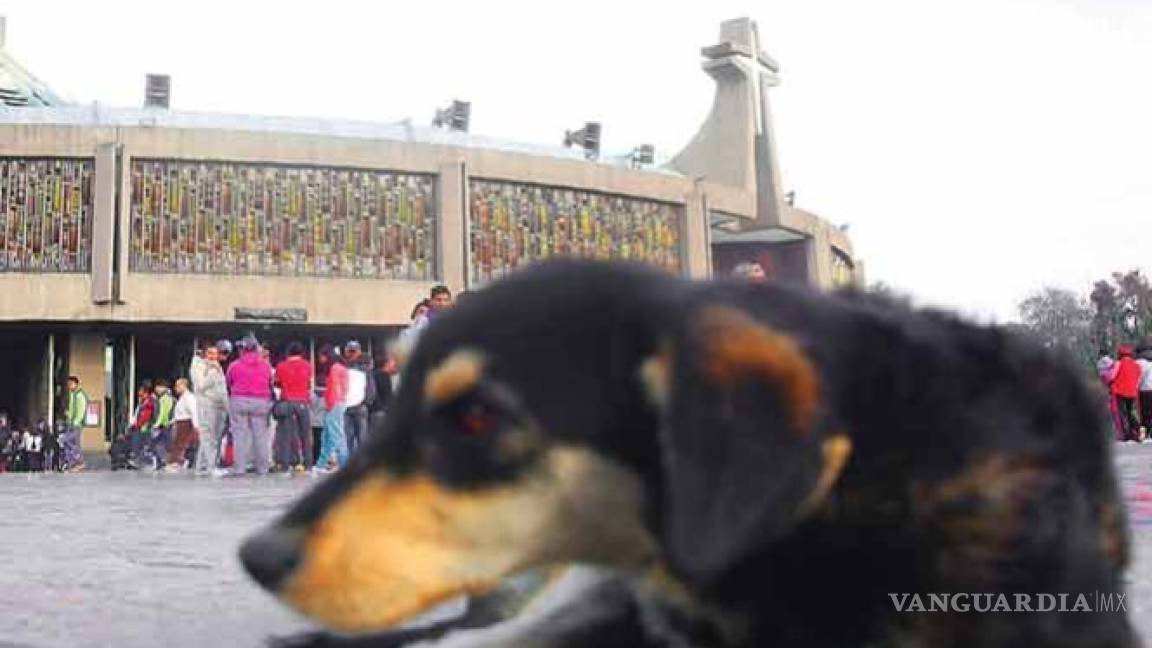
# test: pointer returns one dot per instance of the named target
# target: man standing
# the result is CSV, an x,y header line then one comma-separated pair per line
x,y
440,298
211,389
385,368
74,420
1144,361
294,431
361,394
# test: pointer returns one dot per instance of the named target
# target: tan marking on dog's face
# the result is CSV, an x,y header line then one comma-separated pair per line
x,y
519,442
392,548
454,376
737,346
656,377
835,451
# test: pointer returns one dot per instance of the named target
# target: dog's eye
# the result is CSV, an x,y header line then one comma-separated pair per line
x,y
478,420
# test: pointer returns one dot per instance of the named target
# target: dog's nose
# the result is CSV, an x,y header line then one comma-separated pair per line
x,y
271,555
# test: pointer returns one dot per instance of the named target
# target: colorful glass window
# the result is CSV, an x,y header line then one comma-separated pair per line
x,y
45,215
512,224
261,219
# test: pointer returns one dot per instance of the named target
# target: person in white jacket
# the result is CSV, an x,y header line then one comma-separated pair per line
x,y
210,385
186,420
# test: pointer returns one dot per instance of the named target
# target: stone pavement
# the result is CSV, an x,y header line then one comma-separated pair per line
x,y
131,559
135,559
1134,468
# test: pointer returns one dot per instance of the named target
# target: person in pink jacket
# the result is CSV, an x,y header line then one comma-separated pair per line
x,y
249,404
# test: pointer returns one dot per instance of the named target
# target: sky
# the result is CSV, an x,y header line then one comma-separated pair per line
x,y
978,149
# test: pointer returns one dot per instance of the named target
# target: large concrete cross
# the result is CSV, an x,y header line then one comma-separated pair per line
x,y
740,45
735,146
762,71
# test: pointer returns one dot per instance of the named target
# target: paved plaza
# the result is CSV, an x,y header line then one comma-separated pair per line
x,y
130,559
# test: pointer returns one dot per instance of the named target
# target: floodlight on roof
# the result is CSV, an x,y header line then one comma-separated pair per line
x,y
455,117
587,138
157,90
642,155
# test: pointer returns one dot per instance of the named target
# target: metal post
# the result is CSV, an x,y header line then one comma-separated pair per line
x,y
132,368
51,375
312,354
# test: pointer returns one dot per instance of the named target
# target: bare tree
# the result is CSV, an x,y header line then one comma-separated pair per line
x,y
1121,310
1106,319
1060,320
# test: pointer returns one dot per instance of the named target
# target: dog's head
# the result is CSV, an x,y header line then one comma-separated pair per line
x,y
576,412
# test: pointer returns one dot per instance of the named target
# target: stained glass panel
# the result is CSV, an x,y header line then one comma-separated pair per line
x,y
514,223
261,219
45,215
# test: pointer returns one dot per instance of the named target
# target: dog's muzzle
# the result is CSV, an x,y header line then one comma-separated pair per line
x,y
272,555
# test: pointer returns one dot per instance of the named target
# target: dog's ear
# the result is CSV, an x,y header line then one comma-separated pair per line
x,y
745,457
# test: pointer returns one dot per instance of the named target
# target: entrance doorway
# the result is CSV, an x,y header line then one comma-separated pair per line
x,y
121,393
163,354
26,389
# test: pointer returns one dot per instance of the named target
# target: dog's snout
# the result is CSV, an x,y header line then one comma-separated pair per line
x,y
272,555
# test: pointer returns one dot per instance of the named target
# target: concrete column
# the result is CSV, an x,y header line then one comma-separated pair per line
x,y
125,224
859,277
104,183
86,361
451,227
818,251
697,261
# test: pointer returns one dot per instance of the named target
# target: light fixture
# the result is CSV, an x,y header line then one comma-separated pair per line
x,y
157,90
455,117
587,138
641,155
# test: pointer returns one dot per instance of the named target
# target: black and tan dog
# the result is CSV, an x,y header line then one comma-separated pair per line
x,y
774,466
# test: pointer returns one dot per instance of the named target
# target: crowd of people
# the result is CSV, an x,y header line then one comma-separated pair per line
x,y
1128,378
36,447
235,412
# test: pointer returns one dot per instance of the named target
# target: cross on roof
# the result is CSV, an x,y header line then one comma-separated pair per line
x,y
740,45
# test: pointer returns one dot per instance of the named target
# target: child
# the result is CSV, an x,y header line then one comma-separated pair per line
x,y
34,449
5,443
140,429
9,446
15,445
162,425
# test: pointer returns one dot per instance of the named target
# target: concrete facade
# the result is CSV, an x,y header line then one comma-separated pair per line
x,y
722,190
